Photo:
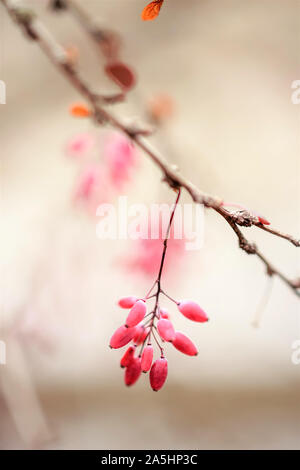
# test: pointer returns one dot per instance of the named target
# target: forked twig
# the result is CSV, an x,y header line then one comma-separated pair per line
x,y
36,31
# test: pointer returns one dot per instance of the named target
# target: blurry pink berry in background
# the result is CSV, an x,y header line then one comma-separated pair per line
x,y
147,256
80,145
147,252
88,181
184,344
158,373
100,180
192,311
91,188
121,157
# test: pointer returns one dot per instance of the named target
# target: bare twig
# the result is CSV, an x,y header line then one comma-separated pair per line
x,y
263,303
286,236
96,33
36,31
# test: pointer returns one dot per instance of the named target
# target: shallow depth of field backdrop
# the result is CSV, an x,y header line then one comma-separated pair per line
x,y
229,66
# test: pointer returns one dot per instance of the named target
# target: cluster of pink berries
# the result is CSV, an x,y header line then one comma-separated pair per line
x,y
140,328
101,179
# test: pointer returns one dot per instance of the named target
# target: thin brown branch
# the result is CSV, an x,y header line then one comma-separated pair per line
x,y
286,236
36,31
91,27
252,249
245,218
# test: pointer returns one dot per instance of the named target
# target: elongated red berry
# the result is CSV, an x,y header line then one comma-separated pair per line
x,y
127,302
140,335
192,311
136,314
139,332
121,337
166,329
184,344
164,313
147,358
127,357
158,373
133,371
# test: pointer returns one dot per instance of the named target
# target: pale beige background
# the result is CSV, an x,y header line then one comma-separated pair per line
x,y
229,65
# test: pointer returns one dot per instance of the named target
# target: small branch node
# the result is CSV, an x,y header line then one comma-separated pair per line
x,y
134,131
250,248
244,218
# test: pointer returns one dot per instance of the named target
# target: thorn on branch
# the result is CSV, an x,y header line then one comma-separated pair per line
x,y
115,98
111,99
270,271
134,131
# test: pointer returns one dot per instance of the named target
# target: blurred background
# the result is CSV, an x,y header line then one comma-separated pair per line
x,y
228,67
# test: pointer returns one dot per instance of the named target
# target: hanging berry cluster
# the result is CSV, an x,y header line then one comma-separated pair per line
x,y
140,328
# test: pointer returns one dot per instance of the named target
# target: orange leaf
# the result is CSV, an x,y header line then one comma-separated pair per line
x,y
151,11
80,110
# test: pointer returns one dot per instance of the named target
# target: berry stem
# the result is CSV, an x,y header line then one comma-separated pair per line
x,y
155,311
149,292
173,300
157,342
166,240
